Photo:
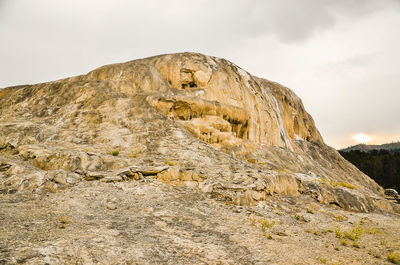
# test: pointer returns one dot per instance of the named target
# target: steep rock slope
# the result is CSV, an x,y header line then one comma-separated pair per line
x,y
185,119
179,159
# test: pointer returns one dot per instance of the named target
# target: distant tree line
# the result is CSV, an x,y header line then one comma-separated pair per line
x,y
383,166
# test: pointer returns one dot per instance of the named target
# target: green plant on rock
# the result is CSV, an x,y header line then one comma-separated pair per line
x,y
265,224
299,217
354,233
134,154
394,257
114,152
338,232
372,230
170,163
342,184
344,242
374,254
63,222
356,244
316,232
253,220
309,209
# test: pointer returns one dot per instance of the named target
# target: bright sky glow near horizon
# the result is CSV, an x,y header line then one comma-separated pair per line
x,y
341,57
361,138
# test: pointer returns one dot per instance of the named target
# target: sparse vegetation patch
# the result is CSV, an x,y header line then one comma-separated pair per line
x,y
114,152
342,184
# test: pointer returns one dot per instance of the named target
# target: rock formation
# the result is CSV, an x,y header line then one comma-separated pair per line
x,y
185,121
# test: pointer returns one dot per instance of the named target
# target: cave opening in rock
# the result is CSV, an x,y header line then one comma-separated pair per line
x,y
190,84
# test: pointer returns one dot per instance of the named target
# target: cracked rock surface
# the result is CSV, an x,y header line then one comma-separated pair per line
x,y
178,159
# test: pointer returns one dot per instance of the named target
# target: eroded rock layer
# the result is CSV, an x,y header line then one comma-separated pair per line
x,y
185,119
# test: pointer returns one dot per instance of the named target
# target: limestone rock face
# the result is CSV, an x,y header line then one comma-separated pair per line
x,y
200,91
178,159
204,121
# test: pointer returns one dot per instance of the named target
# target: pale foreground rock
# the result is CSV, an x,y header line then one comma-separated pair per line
x,y
177,159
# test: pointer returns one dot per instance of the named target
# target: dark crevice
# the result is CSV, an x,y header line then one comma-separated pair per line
x,y
335,203
190,84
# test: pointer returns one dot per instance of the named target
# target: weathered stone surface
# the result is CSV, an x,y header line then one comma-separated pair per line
x,y
142,130
148,112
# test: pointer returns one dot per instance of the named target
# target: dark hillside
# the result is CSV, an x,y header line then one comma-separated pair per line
x,y
381,165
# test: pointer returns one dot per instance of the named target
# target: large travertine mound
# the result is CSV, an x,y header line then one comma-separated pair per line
x,y
179,159
186,119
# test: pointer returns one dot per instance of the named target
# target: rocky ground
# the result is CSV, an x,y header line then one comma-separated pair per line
x,y
149,222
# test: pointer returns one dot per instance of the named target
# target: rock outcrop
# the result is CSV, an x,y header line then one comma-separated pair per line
x,y
178,159
208,123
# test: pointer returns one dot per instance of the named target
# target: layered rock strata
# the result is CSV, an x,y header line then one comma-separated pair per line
x,y
185,119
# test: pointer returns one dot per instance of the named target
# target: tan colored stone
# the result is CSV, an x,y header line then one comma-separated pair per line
x,y
202,78
182,148
176,118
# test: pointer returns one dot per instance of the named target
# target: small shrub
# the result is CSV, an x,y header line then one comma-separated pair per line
x,y
336,248
253,220
133,154
252,160
372,231
229,203
344,242
323,260
316,232
170,163
64,220
393,257
356,244
374,254
347,185
350,236
265,224
353,234
309,210
338,232
342,184
114,152
357,231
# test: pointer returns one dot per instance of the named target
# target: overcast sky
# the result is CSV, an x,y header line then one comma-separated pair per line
x,y
342,57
